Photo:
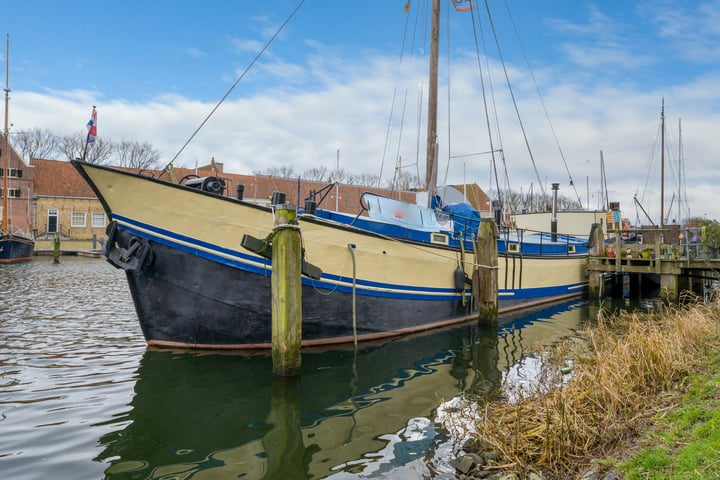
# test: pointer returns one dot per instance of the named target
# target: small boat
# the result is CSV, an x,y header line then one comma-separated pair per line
x,y
194,285
15,246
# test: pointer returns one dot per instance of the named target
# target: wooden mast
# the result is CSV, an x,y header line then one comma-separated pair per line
x,y
4,230
431,159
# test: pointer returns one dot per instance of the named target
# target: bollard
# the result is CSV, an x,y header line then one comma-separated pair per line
x,y
286,292
488,272
56,249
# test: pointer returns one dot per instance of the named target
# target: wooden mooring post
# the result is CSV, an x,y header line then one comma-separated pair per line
x,y
56,248
596,248
486,271
286,292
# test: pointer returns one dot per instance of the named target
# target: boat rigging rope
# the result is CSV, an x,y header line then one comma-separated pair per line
x,y
485,104
542,102
351,247
514,101
392,105
242,75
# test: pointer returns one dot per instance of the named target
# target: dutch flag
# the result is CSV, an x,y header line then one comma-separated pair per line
x,y
92,127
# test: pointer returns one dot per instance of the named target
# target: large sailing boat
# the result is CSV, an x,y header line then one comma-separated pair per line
x,y
14,246
194,285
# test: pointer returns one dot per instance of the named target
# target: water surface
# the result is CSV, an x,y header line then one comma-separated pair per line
x,y
82,397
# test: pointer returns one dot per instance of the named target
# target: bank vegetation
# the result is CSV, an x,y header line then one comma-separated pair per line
x,y
611,402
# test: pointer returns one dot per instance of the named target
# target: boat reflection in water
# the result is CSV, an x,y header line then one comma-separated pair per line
x,y
366,413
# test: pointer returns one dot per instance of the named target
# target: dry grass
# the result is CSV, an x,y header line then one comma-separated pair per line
x,y
562,422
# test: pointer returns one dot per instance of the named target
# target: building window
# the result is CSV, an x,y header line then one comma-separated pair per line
x,y
12,192
12,173
77,219
98,220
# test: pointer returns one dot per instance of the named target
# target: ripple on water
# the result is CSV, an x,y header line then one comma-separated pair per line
x,y
69,349
82,397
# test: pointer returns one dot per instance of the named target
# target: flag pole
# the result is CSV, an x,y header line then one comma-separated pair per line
x,y
92,129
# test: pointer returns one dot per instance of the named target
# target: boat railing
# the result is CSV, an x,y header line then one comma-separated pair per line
x,y
61,230
517,241
664,243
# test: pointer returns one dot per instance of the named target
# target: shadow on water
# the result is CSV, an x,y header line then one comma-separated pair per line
x,y
370,413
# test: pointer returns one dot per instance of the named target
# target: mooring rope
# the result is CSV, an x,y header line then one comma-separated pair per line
x,y
351,247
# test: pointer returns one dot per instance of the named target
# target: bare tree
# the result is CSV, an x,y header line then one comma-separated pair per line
x,y
366,180
341,175
36,143
98,152
568,203
42,143
406,181
284,171
136,155
517,203
316,174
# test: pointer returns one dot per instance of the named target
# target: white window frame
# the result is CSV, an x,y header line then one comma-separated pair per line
x,y
75,219
98,220
12,172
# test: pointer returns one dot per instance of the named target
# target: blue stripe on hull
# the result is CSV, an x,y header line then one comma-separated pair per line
x,y
249,263
185,299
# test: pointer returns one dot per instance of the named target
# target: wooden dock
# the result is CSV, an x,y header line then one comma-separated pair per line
x,y
637,261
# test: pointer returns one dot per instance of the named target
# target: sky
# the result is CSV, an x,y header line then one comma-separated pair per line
x,y
320,83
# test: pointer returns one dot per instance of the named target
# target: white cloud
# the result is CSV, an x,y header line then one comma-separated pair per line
x,y
691,28
195,52
301,112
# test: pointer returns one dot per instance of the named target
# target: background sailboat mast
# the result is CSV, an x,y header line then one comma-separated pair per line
x,y
680,172
431,160
662,164
5,142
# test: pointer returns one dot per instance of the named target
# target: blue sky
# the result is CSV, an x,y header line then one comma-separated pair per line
x,y
155,70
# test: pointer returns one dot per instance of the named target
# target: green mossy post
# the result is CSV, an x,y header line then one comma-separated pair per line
x,y
286,292
56,248
488,265
597,249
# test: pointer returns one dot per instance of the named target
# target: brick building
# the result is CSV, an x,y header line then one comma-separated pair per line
x,y
64,203
20,190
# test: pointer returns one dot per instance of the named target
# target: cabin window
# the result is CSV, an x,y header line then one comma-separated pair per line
x,y
78,219
98,220
571,248
440,238
513,247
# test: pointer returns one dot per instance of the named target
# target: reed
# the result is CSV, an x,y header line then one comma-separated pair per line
x,y
619,373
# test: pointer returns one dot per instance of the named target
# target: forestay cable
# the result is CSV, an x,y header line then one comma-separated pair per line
x,y
242,75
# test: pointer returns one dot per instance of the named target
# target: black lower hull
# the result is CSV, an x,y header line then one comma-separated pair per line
x,y
16,249
186,300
